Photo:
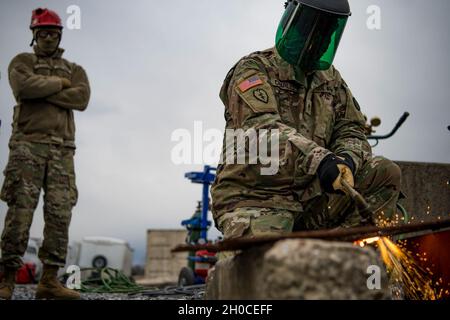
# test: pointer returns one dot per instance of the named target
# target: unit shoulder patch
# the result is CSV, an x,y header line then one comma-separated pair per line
x,y
257,93
261,95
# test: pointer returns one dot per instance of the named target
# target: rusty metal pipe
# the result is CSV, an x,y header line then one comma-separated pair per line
x,y
340,234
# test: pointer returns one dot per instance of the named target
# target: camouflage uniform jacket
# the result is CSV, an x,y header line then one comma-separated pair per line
x,y
44,110
315,115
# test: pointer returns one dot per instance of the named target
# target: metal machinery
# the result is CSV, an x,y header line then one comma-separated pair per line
x,y
199,261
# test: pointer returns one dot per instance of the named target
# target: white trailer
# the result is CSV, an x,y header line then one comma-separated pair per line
x,y
100,252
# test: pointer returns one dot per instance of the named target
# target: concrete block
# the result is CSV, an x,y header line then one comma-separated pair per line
x,y
299,269
162,265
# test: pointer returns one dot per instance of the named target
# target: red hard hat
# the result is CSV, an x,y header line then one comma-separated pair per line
x,y
42,17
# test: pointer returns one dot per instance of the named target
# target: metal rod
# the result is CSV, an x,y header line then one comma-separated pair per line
x,y
396,127
361,203
340,234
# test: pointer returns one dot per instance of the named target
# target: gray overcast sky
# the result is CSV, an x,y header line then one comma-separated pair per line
x,y
156,66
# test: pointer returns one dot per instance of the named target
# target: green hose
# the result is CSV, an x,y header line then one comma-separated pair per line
x,y
109,281
406,219
404,212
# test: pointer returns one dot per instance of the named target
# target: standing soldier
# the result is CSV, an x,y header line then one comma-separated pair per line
x,y
47,89
293,88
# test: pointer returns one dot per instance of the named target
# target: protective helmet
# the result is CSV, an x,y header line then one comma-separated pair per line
x,y
310,31
43,17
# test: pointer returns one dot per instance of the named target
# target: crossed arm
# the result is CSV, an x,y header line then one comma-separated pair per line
x,y
28,85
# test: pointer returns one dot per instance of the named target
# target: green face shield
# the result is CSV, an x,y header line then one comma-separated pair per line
x,y
308,38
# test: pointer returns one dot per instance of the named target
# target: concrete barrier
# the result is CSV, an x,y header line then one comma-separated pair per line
x,y
163,266
427,188
300,269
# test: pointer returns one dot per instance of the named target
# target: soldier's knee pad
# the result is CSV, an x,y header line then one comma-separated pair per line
x,y
390,170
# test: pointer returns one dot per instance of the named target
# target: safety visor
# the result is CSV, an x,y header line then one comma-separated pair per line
x,y
308,37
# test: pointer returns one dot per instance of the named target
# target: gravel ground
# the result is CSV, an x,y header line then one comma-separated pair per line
x,y
26,292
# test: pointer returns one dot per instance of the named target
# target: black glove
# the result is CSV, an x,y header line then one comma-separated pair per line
x,y
328,170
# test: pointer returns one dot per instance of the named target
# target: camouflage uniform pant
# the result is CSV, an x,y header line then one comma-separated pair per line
x,y
32,167
252,221
378,180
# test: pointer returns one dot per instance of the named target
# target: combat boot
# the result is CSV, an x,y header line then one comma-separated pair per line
x,y
49,286
8,283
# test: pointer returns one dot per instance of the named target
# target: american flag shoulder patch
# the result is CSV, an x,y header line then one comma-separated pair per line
x,y
250,83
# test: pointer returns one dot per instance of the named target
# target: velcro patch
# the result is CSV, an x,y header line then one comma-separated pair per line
x,y
257,94
250,83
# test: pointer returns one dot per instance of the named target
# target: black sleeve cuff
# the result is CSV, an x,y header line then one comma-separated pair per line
x,y
349,162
